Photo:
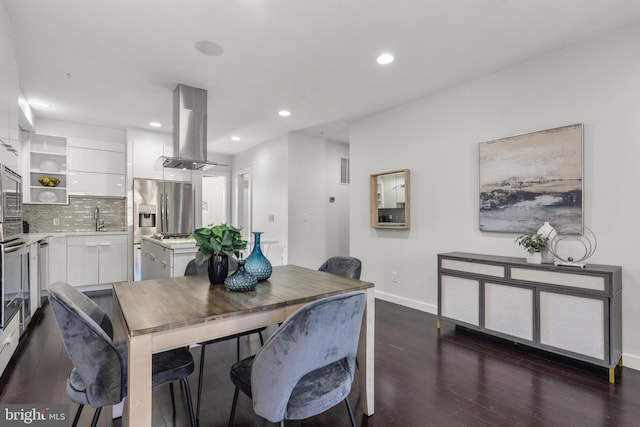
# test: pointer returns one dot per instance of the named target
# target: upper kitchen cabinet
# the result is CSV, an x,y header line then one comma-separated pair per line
x,y
147,149
14,94
6,56
96,168
47,159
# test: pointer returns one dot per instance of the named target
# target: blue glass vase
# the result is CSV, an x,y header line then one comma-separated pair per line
x,y
240,280
256,263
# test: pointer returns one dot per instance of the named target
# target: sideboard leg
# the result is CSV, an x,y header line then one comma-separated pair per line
x,y
437,323
620,362
612,375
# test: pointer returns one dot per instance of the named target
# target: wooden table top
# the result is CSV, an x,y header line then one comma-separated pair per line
x,y
150,306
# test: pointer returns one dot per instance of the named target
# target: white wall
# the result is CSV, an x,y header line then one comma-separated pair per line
x,y
293,177
437,137
318,229
268,163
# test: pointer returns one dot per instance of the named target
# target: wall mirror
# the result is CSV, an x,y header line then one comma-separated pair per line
x,y
390,200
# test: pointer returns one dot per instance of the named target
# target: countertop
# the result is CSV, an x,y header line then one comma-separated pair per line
x,y
173,243
31,238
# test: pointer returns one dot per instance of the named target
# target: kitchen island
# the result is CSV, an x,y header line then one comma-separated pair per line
x,y
166,258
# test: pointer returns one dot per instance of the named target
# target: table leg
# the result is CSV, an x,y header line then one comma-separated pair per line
x,y
138,403
366,353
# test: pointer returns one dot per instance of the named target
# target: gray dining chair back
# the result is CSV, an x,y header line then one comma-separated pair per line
x,y
87,333
343,265
307,366
99,374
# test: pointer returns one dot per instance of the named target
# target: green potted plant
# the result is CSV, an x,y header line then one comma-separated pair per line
x,y
216,243
534,244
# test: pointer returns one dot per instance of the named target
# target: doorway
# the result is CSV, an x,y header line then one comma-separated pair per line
x,y
243,202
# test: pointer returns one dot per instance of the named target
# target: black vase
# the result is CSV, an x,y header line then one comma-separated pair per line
x,y
218,269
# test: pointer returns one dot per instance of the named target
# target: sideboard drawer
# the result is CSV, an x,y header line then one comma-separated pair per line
x,y
474,267
584,281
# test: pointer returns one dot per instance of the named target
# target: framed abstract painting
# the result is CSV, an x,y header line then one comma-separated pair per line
x,y
528,179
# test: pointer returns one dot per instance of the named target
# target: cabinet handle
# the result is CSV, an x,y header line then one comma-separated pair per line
x,y
105,244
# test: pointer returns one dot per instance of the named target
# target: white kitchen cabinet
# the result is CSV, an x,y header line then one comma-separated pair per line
x,y
96,168
573,312
57,258
5,97
96,184
94,259
9,132
34,277
14,93
9,341
47,158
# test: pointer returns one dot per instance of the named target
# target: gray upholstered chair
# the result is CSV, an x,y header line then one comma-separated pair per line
x,y
193,269
343,265
99,375
307,365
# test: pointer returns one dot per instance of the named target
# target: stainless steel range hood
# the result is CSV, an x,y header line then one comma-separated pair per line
x,y
189,130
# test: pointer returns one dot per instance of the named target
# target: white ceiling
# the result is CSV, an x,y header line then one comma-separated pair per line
x,y
115,63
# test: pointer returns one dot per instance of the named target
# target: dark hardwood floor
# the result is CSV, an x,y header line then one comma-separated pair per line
x,y
453,377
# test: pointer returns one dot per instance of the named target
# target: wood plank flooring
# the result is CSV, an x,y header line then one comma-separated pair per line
x,y
424,377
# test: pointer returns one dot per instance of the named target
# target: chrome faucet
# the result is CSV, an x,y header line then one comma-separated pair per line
x,y
99,222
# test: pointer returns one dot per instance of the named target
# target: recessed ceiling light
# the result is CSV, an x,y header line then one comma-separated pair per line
x,y
38,104
385,59
284,113
155,124
235,138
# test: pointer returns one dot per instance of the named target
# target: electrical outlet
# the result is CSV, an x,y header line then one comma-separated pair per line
x,y
394,276
56,221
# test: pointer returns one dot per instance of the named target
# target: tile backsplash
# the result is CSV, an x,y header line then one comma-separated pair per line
x,y
77,215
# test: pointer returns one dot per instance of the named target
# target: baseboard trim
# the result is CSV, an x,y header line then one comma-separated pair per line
x,y
407,302
631,361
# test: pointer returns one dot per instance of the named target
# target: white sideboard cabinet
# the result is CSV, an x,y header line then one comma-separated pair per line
x,y
565,310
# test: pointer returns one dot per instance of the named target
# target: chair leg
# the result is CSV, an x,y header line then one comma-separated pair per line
x,y
200,382
77,417
261,338
233,407
353,420
187,389
96,415
238,349
173,399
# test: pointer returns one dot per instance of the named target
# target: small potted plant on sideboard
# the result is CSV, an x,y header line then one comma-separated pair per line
x,y
534,244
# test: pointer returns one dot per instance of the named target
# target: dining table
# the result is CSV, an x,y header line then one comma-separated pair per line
x,y
163,314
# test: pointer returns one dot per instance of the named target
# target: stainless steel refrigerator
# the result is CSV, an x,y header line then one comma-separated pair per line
x,y
160,207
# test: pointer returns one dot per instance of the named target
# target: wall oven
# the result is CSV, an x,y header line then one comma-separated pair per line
x,y
14,258
11,204
14,262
